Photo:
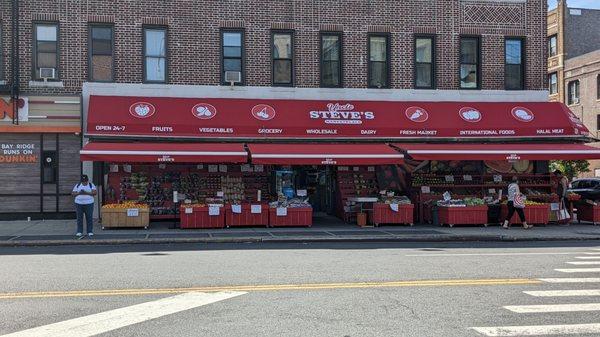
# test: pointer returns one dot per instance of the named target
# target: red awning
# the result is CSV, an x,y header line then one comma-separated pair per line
x,y
164,153
246,119
324,154
546,151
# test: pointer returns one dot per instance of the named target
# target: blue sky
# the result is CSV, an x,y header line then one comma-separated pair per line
x,y
578,3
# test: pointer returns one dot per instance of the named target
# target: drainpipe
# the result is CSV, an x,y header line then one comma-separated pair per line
x,y
14,91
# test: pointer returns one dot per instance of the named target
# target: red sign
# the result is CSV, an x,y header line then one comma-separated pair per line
x,y
310,119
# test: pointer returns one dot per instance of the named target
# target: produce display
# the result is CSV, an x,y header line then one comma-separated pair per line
x,y
291,203
474,201
126,205
352,184
399,200
451,203
504,166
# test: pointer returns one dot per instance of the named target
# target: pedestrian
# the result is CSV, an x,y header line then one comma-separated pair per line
x,y
84,193
515,192
561,190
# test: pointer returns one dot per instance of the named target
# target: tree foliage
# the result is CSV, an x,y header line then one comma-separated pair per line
x,y
570,168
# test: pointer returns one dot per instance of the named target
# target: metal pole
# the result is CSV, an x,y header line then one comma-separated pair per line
x,y
14,92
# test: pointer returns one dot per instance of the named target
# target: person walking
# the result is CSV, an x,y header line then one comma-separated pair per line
x,y
84,193
515,192
561,190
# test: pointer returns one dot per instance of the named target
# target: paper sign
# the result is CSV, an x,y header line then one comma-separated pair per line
x,y
245,168
213,168
162,166
492,191
356,169
394,207
176,196
220,194
425,189
222,168
467,177
497,178
447,196
343,168
127,168
259,168
555,206
214,210
281,211
133,212
189,210
236,209
255,209
114,168
301,193
200,167
371,168
449,178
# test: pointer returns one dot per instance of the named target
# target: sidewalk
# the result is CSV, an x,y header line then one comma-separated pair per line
x,y
61,232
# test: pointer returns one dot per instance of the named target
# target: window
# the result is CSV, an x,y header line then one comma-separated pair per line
x,y
45,50
469,63
552,45
101,54
598,86
283,58
379,60
155,54
598,122
232,42
514,65
1,56
553,83
331,60
573,92
50,167
424,62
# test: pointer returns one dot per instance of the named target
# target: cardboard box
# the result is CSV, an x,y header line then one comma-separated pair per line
x,y
124,217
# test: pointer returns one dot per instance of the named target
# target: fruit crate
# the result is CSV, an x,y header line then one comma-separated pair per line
x,y
247,218
587,212
300,217
198,217
383,214
534,214
469,215
123,218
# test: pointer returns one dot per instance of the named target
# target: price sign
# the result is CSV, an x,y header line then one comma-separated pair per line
x,y
371,168
356,169
213,168
214,210
175,196
189,210
127,168
131,212
497,178
220,194
449,178
492,191
467,177
425,189
447,196
200,167
281,211
259,168
222,168
162,166
255,209
301,193
343,168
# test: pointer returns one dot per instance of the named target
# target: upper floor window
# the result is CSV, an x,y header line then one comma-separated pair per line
x,y
553,83
101,60
45,51
552,45
573,92
514,65
424,62
598,122
598,86
283,58
379,61
232,42
469,63
1,56
331,60
155,54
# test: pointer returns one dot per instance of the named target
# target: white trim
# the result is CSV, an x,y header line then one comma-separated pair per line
x,y
48,84
326,156
503,151
162,153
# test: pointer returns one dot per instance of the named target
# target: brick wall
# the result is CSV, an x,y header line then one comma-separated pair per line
x,y
193,35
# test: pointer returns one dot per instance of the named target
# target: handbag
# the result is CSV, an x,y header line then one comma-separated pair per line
x,y
563,213
519,201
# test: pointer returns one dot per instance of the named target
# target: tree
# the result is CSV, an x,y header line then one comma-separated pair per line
x,y
570,168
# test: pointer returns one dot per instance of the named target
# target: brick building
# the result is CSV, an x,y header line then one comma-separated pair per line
x,y
378,50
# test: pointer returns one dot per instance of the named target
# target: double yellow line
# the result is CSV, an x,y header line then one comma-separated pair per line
x,y
271,287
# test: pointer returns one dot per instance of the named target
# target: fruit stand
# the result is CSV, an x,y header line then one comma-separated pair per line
x,y
467,211
535,213
246,215
202,216
125,215
589,212
290,217
393,209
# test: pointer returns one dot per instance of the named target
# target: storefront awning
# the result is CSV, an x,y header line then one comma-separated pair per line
x,y
324,154
546,151
164,153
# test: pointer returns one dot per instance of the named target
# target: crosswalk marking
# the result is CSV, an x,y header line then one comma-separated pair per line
x,y
579,270
530,309
571,280
539,330
588,257
564,293
584,263
588,253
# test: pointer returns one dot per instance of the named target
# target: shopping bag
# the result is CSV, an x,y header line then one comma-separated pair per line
x,y
519,201
563,213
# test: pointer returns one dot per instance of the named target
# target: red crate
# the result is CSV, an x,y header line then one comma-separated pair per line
x,y
470,215
247,218
199,218
534,214
587,212
383,214
294,217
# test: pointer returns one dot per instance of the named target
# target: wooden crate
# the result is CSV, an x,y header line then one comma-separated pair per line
x,y
534,214
469,215
383,214
296,217
117,217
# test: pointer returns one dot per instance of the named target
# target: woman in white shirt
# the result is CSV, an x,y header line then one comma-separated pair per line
x,y
84,193
513,190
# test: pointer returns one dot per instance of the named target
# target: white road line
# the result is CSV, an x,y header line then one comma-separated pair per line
x,y
584,263
491,254
541,308
564,293
579,270
591,253
588,257
571,280
114,319
539,330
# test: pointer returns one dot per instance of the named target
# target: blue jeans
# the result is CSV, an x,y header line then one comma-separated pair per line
x,y
88,211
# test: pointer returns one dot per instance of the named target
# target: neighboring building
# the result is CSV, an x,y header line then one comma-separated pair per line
x,y
574,64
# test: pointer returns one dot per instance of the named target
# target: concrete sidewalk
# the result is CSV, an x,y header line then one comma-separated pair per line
x,y
61,232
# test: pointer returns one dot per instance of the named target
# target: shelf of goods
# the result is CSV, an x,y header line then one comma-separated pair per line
x,y
250,215
384,214
468,215
296,216
199,217
588,212
534,214
125,216
426,202
353,182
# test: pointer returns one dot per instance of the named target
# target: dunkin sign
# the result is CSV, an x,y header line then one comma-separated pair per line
x,y
337,113
142,110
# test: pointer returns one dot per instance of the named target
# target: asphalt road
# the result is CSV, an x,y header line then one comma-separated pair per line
x,y
370,289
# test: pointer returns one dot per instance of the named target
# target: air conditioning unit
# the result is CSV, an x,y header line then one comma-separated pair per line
x,y
47,73
233,77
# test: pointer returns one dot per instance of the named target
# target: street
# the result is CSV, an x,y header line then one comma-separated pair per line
x,y
326,289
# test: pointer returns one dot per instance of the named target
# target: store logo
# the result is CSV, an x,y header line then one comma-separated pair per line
x,y
469,114
142,110
263,112
204,111
342,114
328,161
513,157
522,114
166,159
417,114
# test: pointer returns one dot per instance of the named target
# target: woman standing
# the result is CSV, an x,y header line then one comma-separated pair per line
x,y
84,193
514,191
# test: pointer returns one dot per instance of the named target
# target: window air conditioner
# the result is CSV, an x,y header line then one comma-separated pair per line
x,y
233,77
47,73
